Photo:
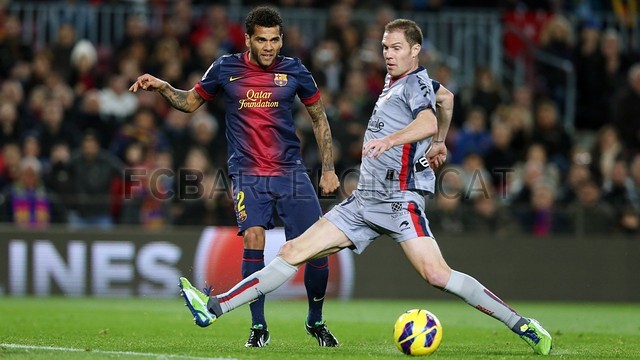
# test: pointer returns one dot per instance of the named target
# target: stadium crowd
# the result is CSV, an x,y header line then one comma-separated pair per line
x,y
78,148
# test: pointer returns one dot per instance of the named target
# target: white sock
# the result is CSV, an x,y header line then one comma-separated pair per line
x,y
276,273
476,295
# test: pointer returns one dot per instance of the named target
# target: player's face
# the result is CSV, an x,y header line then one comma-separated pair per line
x,y
399,57
264,45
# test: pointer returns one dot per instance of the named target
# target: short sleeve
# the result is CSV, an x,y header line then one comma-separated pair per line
x,y
419,94
209,85
307,88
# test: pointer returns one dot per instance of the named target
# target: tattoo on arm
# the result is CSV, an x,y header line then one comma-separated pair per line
x,y
185,101
323,134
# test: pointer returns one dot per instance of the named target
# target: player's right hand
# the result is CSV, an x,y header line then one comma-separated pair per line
x,y
329,182
148,82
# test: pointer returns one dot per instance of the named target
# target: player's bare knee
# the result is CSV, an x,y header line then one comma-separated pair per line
x,y
253,239
436,275
289,253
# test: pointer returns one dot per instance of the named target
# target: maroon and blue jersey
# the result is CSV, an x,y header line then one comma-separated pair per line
x,y
258,102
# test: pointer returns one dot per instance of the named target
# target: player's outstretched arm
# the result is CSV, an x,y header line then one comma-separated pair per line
x,y
328,181
186,101
437,153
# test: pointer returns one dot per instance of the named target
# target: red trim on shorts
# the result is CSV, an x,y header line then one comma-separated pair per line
x,y
415,219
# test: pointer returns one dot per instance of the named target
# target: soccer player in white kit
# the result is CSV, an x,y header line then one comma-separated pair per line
x,y
389,200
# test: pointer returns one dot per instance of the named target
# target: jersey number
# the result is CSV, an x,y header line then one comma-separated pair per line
x,y
240,198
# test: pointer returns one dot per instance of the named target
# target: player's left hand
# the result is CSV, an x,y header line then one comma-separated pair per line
x,y
376,147
329,182
437,155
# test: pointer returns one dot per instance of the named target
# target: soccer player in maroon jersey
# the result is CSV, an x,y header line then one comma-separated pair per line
x,y
265,165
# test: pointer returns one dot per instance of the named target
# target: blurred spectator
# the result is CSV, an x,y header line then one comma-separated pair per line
x,y
550,133
634,170
577,175
614,68
177,131
618,188
626,107
10,165
9,126
593,109
204,128
26,202
607,148
542,218
83,67
556,39
487,93
295,45
115,99
145,203
474,177
490,216
448,215
136,41
54,129
589,214
12,49
533,171
61,50
342,29
31,145
216,23
58,177
208,49
93,171
520,120
326,63
142,129
500,157
473,138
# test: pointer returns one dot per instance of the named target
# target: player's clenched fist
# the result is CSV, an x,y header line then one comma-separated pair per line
x,y
329,182
148,82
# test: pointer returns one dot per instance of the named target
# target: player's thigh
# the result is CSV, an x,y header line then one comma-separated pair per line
x,y
253,202
425,256
297,204
321,239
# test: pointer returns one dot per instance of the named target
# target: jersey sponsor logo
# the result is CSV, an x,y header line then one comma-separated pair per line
x,y
257,99
375,125
280,79
231,78
396,206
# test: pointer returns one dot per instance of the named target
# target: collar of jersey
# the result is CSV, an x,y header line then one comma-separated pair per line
x,y
393,81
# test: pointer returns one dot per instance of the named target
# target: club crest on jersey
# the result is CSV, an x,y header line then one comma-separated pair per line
x,y
280,79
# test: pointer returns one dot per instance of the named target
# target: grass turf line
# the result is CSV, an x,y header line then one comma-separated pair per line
x,y
364,328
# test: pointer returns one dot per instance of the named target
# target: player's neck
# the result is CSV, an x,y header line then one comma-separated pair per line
x,y
413,68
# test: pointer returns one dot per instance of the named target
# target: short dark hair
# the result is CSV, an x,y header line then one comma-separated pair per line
x,y
263,16
411,30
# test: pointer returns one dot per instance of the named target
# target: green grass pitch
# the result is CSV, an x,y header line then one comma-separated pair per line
x,y
85,328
